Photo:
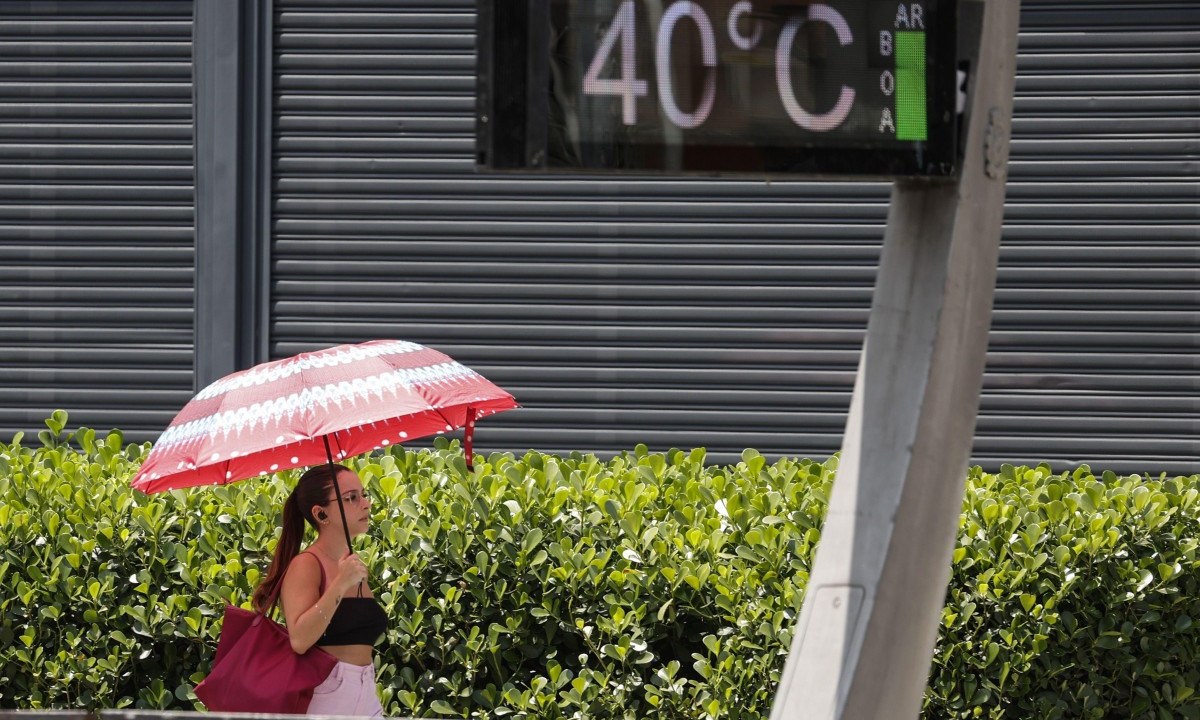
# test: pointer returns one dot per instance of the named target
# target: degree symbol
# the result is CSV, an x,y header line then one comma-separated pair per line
x,y
743,7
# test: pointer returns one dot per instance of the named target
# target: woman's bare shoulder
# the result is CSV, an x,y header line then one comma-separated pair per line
x,y
304,570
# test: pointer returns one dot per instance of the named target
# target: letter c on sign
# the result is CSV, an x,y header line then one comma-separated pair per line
x,y
783,71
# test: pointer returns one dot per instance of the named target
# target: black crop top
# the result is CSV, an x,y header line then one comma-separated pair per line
x,y
357,620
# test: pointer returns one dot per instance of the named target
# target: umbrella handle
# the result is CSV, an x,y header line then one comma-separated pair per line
x,y
337,490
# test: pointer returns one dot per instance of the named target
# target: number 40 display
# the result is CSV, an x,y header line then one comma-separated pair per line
x,y
629,87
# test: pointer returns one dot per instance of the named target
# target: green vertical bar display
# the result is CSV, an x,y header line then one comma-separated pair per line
x,y
910,86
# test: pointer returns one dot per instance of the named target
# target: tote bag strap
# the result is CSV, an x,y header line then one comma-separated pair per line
x,y
321,565
273,599
273,604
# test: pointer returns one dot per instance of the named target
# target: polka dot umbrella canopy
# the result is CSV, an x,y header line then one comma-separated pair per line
x,y
317,407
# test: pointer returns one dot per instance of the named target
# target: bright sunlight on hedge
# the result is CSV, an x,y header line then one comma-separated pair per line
x,y
541,586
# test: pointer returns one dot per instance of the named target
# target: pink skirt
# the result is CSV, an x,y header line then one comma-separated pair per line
x,y
349,690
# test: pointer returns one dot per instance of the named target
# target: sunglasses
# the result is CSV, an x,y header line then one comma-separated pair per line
x,y
353,497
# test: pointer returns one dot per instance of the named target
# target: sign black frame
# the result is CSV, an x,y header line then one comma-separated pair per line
x,y
512,112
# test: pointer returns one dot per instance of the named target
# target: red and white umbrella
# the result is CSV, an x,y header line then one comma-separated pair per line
x,y
317,407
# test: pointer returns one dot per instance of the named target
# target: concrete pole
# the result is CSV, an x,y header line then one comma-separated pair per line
x,y
864,639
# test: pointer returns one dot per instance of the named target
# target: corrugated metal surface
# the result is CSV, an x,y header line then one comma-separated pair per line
x,y
730,314
1094,347
95,213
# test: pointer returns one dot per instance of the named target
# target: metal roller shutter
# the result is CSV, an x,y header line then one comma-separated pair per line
x,y
730,314
95,213
1093,348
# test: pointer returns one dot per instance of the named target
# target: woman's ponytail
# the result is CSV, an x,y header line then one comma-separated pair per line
x,y
314,488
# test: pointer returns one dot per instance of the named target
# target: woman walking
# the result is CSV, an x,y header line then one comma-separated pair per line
x,y
327,601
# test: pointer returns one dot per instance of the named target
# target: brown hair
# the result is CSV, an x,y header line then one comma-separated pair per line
x,y
314,488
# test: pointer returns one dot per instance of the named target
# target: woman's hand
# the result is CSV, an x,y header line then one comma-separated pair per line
x,y
351,571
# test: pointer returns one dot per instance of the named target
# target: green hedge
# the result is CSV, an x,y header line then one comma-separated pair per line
x,y
544,586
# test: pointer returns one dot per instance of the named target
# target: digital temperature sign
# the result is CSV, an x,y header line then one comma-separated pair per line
x,y
769,87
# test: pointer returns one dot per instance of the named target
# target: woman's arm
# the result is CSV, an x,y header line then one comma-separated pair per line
x,y
307,612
